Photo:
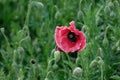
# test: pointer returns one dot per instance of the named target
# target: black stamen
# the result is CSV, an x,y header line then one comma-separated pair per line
x,y
32,61
72,36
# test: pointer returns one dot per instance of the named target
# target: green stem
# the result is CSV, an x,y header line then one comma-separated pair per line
x,y
27,17
48,74
6,38
101,72
68,57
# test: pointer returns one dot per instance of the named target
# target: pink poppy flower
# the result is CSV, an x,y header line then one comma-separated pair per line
x,y
69,39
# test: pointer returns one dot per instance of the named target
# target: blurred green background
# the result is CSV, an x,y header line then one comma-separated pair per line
x,y
27,37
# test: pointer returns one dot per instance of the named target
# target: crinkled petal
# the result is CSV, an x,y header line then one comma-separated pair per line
x,y
67,45
64,44
57,35
72,25
82,41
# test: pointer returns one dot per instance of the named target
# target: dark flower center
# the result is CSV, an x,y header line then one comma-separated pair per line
x,y
71,36
32,61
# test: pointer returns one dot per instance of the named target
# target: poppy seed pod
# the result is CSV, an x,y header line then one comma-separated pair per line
x,y
57,56
77,72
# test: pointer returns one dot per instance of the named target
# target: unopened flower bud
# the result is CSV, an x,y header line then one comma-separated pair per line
x,y
46,79
112,14
80,14
15,51
77,72
38,4
100,52
84,28
35,43
93,63
118,49
20,50
107,10
111,5
55,66
2,30
105,41
98,20
117,43
100,62
57,56
52,52
116,3
57,15
77,61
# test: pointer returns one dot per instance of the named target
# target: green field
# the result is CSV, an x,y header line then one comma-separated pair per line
x,y
27,42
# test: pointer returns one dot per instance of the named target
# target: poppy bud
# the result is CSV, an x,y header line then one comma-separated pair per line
x,y
116,3
118,49
115,77
93,63
52,52
37,3
57,56
117,43
77,61
55,66
35,43
98,20
20,50
84,28
2,30
111,5
80,14
46,79
77,72
100,52
112,14
100,62
107,10
105,41
57,15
